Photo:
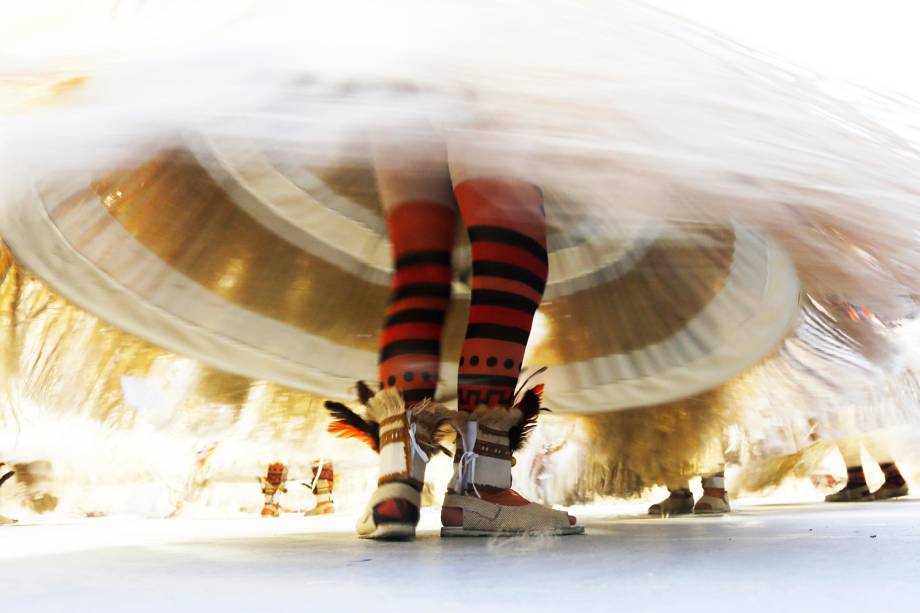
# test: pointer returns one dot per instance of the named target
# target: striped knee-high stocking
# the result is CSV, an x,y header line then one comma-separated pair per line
x,y
422,235
894,486
893,476
856,478
507,230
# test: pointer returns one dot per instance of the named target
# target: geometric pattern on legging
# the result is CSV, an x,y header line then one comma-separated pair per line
x,y
507,231
422,236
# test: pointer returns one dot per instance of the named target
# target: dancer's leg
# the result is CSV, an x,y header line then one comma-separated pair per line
x,y
415,188
715,497
421,219
894,486
855,489
679,502
507,228
421,215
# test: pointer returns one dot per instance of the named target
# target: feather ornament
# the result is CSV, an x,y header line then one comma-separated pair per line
x,y
530,409
348,424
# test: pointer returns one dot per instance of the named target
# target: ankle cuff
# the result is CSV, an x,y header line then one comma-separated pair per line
x,y
399,460
487,464
713,483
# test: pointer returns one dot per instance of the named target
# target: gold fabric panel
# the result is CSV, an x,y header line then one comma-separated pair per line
x,y
177,211
65,359
61,356
173,207
355,182
669,286
657,445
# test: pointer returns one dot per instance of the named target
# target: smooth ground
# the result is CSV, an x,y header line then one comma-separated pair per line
x,y
778,558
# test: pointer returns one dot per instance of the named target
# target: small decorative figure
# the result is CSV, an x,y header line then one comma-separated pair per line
x,y
273,483
323,478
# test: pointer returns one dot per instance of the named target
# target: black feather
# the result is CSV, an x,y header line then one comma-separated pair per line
x,y
530,411
365,393
348,424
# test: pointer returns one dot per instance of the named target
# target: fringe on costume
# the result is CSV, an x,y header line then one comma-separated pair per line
x,y
499,418
665,444
431,419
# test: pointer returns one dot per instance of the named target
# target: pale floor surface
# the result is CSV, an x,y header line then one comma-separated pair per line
x,y
778,558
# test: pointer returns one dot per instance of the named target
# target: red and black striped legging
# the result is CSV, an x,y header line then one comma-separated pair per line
x,y
507,230
422,235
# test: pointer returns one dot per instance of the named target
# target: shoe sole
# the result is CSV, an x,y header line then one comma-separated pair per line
x,y
670,513
869,498
466,532
391,532
875,495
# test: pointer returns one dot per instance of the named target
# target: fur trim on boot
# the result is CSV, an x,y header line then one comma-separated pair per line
x,y
406,439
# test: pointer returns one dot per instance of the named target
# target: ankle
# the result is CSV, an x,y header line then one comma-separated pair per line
x,y
893,476
483,460
856,478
